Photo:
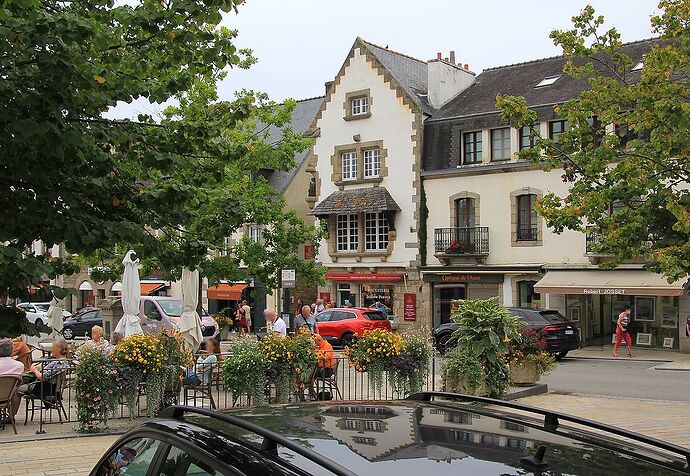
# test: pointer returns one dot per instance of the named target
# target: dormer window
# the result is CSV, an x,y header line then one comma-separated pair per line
x,y
548,81
360,105
638,66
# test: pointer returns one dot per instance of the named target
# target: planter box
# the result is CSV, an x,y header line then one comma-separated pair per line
x,y
524,373
460,386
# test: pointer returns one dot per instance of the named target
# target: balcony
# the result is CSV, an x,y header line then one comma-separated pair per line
x,y
592,249
526,233
454,244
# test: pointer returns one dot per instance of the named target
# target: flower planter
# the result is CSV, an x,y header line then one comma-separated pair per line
x,y
224,333
459,385
524,373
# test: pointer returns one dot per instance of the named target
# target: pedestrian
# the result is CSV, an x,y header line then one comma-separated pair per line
x,y
300,305
306,321
325,357
687,328
10,367
622,332
333,304
380,307
275,324
247,316
203,369
319,307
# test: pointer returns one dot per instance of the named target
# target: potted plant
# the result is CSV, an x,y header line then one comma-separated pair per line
x,y
485,329
527,357
224,322
95,386
245,371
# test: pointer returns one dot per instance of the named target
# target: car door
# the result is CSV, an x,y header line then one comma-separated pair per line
x,y
151,323
342,322
134,457
81,326
323,324
94,319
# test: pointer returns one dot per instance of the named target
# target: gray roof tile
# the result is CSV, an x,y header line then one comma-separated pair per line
x,y
372,199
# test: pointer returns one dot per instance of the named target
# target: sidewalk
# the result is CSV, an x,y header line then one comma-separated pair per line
x,y
669,360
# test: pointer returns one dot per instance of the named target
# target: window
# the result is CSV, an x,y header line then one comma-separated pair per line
x,y
364,441
516,444
509,425
527,217
526,296
353,424
323,316
375,232
556,128
525,137
150,310
459,417
347,232
638,66
179,463
373,425
464,436
341,316
372,163
491,440
465,212
548,81
359,105
500,144
255,233
473,147
349,165
134,457
227,243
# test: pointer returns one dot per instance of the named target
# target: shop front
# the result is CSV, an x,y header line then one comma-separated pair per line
x,y
593,299
224,296
361,289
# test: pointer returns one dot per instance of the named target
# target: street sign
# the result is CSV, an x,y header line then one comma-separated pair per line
x,y
287,278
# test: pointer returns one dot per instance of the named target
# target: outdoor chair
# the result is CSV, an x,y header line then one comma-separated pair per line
x,y
49,402
203,391
320,385
8,389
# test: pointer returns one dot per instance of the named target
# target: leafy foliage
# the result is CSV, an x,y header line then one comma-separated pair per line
x,y
169,187
95,386
485,329
13,323
245,371
629,188
529,345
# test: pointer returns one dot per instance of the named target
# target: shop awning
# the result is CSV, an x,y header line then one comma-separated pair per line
x,y
85,286
226,292
148,289
372,199
117,287
626,282
365,277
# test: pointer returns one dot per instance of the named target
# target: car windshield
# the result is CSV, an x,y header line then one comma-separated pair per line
x,y
171,307
554,317
375,315
42,307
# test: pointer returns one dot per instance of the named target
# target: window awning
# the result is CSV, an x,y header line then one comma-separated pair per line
x,y
148,289
85,286
627,282
226,292
365,277
372,199
117,287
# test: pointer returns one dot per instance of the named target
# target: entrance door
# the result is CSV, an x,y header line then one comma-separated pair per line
x,y
444,295
465,220
345,296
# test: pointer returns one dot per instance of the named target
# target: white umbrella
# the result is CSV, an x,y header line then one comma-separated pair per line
x,y
189,324
131,295
55,318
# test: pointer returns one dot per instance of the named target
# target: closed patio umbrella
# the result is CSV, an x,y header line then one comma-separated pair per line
x,y
131,295
189,324
55,318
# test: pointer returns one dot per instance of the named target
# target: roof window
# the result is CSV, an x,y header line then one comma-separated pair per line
x,y
548,81
638,66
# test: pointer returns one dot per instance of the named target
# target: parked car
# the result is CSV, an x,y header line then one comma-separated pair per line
x,y
158,313
562,335
341,326
80,324
37,312
420,435
44,306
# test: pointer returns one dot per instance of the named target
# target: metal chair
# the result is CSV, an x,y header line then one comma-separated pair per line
x,y
322,384
8,389
50,402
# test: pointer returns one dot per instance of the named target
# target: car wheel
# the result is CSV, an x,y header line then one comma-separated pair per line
x,y
39,322
561,355
68,333
443,344
347,339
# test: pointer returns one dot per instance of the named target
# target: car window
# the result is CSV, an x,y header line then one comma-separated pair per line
x,y
375,315
88,315
180,463
42,307
133,458
342,315
149,308
533,318
323,317
554,317
171,307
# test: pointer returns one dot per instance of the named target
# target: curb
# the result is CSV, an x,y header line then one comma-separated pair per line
x,y
531,391
58,436
619,359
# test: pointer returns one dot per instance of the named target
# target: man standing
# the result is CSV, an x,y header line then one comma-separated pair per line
x,y
276,325
10,368
306,320
319,306
247,316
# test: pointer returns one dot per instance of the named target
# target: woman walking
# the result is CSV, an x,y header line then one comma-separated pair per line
x,y
622,332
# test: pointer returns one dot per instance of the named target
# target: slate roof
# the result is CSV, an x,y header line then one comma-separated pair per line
x,y
520,80
302,117
372,199
409,72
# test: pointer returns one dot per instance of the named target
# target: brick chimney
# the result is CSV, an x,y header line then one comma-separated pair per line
x,y
446,79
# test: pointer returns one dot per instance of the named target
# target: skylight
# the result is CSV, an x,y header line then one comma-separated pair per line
x,y
638,66
548,81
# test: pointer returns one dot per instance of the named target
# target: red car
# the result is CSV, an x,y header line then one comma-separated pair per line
x,y
340,326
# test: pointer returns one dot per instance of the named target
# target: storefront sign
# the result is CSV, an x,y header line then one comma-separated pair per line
x,y
410,306
603,291
287,278
325,296
309,252
365,277
463,278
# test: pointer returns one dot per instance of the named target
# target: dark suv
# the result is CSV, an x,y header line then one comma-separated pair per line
x,y
459,435
562,335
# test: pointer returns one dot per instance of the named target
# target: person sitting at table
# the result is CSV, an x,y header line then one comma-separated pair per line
x,y
20,351
203,370
10,367
326,358
43,386
98,342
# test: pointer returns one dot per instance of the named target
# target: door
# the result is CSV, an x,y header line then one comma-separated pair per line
x,y
465,218
152,321
444,295
324,326
341,322
84,323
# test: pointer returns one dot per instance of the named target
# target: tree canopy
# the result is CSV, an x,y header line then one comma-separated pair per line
x,y
628,184
169,187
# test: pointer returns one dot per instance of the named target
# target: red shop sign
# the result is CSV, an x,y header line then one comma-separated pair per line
x,y
365,277
309,252
410,306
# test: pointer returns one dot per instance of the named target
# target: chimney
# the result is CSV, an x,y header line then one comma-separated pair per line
x,y
445,79
328,85
467,67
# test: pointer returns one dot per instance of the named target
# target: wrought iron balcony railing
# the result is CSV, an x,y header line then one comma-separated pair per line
x,y
527,233
471,240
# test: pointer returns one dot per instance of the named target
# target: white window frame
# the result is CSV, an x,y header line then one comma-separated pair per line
x,y
347,233
254,233
227,243
500,137
375,232
359,105
349,165
372,162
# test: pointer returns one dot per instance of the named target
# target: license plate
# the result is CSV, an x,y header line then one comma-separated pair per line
x,y
569,333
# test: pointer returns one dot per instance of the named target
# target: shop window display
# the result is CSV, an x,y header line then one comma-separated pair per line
x,y
372,294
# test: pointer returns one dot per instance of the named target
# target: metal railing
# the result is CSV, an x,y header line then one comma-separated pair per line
x,y
527,233
464,240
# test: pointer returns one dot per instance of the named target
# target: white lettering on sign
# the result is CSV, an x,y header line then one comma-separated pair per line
x,y
603,291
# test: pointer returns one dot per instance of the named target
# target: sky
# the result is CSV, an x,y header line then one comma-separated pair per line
x,y
301,44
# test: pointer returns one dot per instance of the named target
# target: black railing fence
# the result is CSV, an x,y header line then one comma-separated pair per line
x,y
462,240
210,391
527,233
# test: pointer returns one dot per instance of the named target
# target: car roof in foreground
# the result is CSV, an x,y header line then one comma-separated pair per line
x,y
437,437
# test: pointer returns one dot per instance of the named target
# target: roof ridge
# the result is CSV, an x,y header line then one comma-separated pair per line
x,y
520,63
310,99
392,51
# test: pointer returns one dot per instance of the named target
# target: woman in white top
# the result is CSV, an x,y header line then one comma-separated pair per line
x,y
203,369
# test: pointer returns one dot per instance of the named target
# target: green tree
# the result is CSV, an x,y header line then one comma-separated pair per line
x,y
630,188
170,187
